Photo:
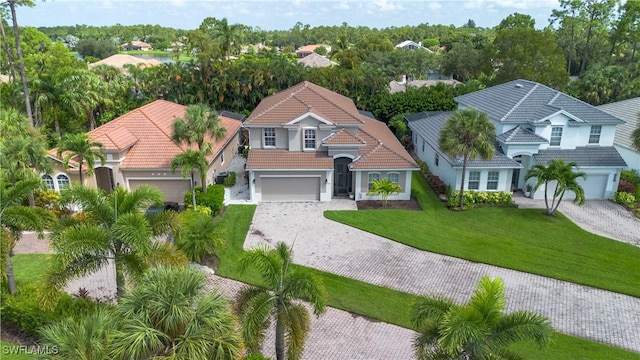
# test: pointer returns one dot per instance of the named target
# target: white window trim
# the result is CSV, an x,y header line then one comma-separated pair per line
x,y
304,138
264,138
57,184
222,158
53,181
552,136
497,181
370,181
599,134
469,180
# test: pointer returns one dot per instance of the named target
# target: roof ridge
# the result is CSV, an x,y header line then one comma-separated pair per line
x,y
301,86
519,102
158,127
333,103
513,132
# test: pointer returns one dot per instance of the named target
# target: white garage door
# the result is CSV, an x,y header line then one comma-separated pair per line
x,y
173,190
290,188
594,185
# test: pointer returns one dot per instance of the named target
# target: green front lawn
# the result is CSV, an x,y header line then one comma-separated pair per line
x,y
381,303
519,239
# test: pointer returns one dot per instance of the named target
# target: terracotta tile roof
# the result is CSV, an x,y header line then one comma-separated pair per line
x,y
289,104
383,150
120,60
343,137
261,159
150,127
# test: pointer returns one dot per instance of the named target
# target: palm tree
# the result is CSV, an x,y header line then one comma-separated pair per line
x,y
635,136
199,126
565,179
468,134
15,218
168,315
81,147
198,236
285,284
189,162
478,329
21,67
112,227
227,37
384,188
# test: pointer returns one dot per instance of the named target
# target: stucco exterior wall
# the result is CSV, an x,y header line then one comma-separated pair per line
x,y
361,184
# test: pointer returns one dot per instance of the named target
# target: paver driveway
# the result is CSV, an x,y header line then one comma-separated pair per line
x,y
317,242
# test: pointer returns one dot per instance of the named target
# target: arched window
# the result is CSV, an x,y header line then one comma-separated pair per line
x,y
373,176
63,181
48,181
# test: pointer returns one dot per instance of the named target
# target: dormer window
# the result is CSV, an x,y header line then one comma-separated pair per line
x,y
594,135
269,137
556,136
309,139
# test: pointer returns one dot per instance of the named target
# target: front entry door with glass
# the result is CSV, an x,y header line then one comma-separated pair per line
x,y
341,177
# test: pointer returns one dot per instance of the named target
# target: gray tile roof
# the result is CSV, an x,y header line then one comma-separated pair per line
x,y
524,101
428,125
521,135
629,111
606,156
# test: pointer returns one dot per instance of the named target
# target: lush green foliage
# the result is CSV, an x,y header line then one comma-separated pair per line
x,y
384,187
99,49
80,148
624,198
230,180
565,178
481,199
213,198
198,235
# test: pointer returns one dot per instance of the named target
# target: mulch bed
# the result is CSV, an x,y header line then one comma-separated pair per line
x,y
391,204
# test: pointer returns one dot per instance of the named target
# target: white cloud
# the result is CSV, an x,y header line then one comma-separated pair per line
x,y
177,3
341,5
387,5
434,5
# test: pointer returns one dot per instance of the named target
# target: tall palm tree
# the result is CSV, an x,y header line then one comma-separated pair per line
x,y
478,329
468,134
565,178
16,34
81,147
15,218
635,136
285,284
189,162
112,227
200,125
227,36
168,315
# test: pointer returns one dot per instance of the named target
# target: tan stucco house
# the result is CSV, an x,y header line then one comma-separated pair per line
x,y
309,143
139,150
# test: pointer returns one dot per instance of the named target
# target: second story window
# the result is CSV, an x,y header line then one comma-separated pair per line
x,y
269,137
594,135
556,136
310,139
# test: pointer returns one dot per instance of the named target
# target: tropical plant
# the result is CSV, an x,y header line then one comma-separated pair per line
x,y
198,236
468,134
115,228
189,162
635,137
565,178
478,329
200,126
15,218
384,187
285,284
81,147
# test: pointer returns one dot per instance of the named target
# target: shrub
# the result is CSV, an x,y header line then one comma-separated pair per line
x,y
625,186
437,185
245,152
407,142
625,199
230,180
198,236
212,198
630,176
481,199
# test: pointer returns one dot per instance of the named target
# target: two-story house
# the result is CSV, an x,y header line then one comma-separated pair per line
x,y
309,143
534,124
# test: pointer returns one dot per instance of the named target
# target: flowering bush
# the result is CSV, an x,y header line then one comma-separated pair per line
x,y
625,199
479,199
627,187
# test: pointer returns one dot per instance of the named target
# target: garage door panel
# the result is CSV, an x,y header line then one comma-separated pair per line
x,y
290,188
173,190
594,185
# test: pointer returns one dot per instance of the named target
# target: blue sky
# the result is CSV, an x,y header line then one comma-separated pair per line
x,y
282,14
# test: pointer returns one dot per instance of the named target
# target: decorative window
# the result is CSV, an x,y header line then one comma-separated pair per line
x,y
222,158
492,180
63,181
393,177
48,181
474,180
422,145
594,135
556,136
310,139
373,176
270,137
437,160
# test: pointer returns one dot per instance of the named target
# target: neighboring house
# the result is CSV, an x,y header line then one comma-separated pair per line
x,y
310,49
254,48
137,45
316,60
411,45
120,60
629,111
534,124
401,86
309,143
139,150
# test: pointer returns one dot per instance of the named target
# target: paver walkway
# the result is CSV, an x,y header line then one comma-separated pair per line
x,y
577,310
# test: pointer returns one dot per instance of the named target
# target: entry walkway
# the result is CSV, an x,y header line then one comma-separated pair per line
x,y
317,242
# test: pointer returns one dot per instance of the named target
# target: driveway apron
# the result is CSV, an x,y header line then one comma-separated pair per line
x,y
320,243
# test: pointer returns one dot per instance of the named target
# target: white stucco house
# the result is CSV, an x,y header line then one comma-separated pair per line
x,y
534,124
308,143
629,111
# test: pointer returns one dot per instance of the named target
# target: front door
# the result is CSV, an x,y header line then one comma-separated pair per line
x,y
104,179
515,178
341,177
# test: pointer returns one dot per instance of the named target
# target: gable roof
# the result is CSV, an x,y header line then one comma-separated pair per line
x,y
414,44
428,125
120,60
606,156
343,137
524,101
521,135
629,111
146,133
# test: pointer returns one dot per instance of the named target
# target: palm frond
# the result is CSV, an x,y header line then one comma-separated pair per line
x,y
297,325
133,230
489,299
268,263
139,199
523,325
462,326
429,310
301,284
253,306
